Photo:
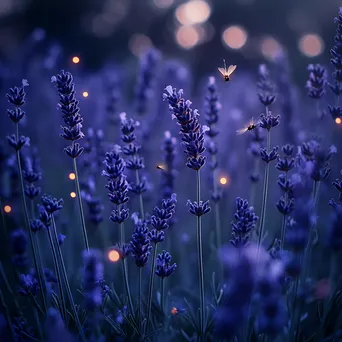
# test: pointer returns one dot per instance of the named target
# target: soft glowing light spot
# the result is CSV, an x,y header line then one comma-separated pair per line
x,y
163,3
139,43
161,167
193,12
75,60
234,37
113,255
7,209
270,47
72,176
311,45
338,121
85,94
187,37
72,194
174,311
223,180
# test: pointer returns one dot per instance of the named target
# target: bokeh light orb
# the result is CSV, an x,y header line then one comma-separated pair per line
x,y
85,94
311,45
75,60
193,12
270,47
113,255
235,37
72,176
72,194
338,121
187,37
139,43
7,209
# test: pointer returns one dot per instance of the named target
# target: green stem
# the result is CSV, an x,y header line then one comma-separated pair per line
x,y
7,315
264,195
58,274
162,289
142,213
124,270
150,291
283,227
139,299
79,198
200,259
66,281
27,219
39,259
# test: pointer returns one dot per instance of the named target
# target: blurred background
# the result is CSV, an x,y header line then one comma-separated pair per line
x,y
201,32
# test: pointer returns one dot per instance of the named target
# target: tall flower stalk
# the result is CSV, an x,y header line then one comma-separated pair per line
x,y
118,194
193,141
266,95
134,162
212,107
160,222
286,203
72,131
16,96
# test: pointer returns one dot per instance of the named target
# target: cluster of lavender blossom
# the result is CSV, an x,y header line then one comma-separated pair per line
x,y
272,274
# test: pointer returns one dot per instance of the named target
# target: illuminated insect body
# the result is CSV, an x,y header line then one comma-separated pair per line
x,y
249,127
227,72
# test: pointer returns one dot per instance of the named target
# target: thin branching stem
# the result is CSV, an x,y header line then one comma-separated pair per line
x,y
27,221
150,290
264,195
79,198
124,269
58,274
200,258
6,314
66,281
283,226
141,202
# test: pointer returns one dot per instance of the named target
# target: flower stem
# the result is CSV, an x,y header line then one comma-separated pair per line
x,y
283,226
58,274
27,220
66,281
150,291
264,195
200,259
124,270
140,196
78,194
139,299
7,315
162,289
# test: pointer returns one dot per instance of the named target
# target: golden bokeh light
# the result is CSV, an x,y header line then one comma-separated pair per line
x,y
139,43
311,45
187,37
113,255
270,47
7,209
72,176
75,60
235,37
72,194
224,180
85,94
193,12
338,121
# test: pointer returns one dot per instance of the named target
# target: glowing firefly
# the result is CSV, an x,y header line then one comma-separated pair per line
x,y
227,72
248,127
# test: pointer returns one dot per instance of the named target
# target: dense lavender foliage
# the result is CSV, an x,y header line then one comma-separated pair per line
x,y
167,225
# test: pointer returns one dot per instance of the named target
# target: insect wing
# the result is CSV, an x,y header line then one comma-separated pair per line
x,y
222,71
241,130
231,69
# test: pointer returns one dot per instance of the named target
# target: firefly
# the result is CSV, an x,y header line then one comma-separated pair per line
x,y
248,127
161,167
226,72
